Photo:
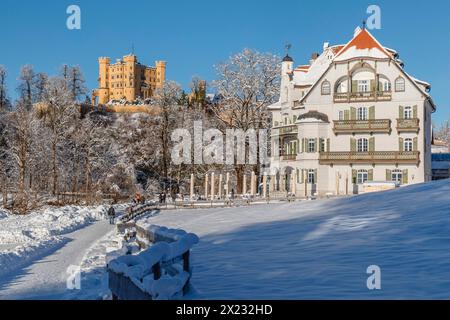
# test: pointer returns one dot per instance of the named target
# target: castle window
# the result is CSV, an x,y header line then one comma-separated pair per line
x,y
311,145
400,84
326,88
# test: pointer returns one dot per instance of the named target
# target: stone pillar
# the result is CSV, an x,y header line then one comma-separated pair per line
x,y
253,184
227,185
244,184
294,183
213,186
220,185
264,188
192,186
206,186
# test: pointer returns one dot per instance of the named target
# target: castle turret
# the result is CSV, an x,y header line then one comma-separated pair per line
x,y
160,73
287,68
103,90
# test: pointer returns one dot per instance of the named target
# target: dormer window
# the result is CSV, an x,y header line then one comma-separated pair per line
x,y
400,84
326,88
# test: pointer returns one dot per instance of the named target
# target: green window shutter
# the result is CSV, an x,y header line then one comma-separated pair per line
x,y
400,144
354,86
303,144
352,145
352,113
370,175
315,176
400,112
316,145
415,112
328,145
303,176
298,175
372,85
354,175
346,115
388,175
415,144
372,144
372,113
405,176
294,118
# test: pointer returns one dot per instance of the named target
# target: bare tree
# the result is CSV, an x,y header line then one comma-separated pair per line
x,y
247,83
40,81
75,81
25,87
4,102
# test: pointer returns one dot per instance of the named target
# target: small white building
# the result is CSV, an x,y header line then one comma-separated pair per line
x,y
350,116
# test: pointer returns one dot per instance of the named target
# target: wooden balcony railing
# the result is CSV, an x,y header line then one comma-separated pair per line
x,y
362,126
408,125
376,157
288,157
363,96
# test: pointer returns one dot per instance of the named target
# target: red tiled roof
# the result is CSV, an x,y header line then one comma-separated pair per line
x,y
364,40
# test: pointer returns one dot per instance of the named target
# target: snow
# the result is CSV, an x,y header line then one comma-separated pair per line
x,y
353,52
321,249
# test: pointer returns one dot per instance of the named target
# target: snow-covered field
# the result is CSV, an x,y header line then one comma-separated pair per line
x,y
321,249
24,238
303,250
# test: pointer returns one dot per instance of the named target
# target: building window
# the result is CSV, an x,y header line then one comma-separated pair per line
x,y
387,86
407,113
408,145
397,176
400,84
362,113
363,145
363,85
362,176
311,145
326,88
322,145
312,176
341,115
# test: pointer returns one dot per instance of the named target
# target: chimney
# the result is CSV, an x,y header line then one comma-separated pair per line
x,y
314,57
326,45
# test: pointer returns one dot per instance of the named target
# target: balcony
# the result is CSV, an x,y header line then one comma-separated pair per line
x,y
377,157
408,125
288,157
288,130
362,126
347,97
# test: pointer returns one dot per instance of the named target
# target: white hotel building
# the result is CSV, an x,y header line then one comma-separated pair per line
x,y
352,115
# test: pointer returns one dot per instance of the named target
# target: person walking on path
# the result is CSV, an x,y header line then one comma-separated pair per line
x,y
111,214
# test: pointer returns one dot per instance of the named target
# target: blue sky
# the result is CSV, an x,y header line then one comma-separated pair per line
x,y
193,36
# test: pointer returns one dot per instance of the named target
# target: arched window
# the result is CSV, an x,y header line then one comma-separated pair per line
x,y
400,84
326,88
362,176
408,145
363,145
384,85
342,85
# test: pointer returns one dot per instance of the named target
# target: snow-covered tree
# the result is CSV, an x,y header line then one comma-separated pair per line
x,y
25,87
4,101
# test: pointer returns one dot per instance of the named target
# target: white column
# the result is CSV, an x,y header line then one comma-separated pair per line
x,y
192,186
264,188
206,186
253,184
244,184
213,187
227,185
220,185
294,182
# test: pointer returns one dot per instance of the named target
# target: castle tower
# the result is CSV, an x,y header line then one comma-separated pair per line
x,y
160,73
103,90
131,84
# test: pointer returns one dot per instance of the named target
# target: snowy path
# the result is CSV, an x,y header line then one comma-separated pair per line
x,y
46,278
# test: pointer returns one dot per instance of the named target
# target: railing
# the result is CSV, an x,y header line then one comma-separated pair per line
x,y
384,157
138,210
288,130
408,125
288,157
362,126
138,277
363,96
